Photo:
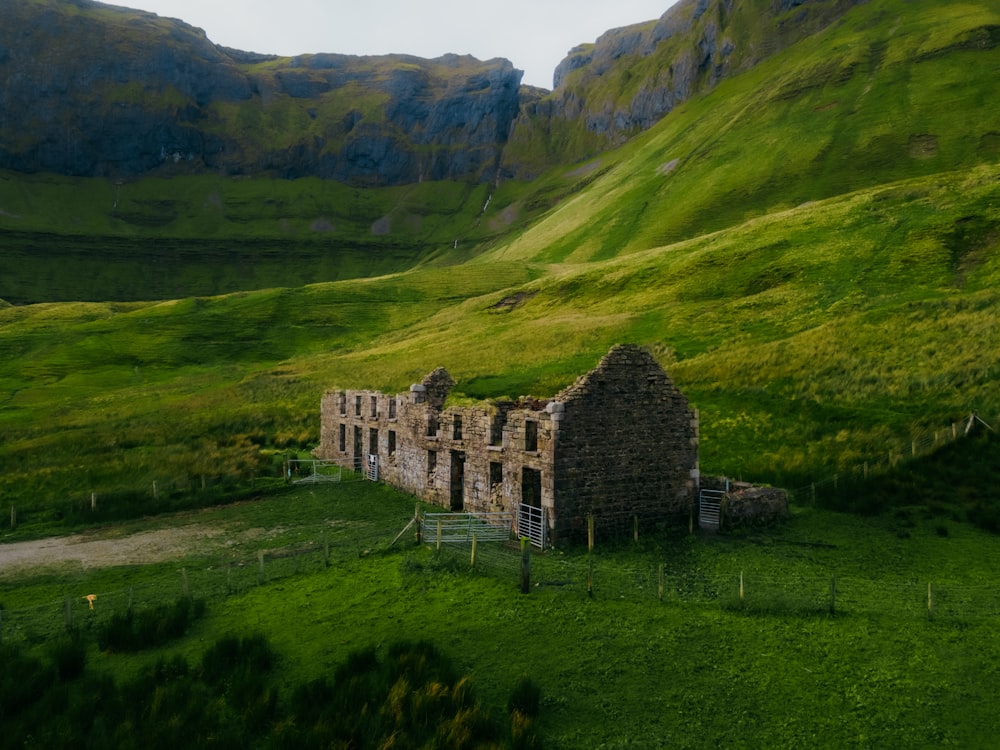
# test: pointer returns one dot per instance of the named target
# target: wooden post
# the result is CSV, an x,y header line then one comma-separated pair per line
x,y
659,588
833,594
93,501
525,566
590,532
13,517
741,587
439,536
416,519
635,528
691,519
156,495
930,601
472,561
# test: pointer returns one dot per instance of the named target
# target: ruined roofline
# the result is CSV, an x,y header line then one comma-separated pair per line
x,y
437,384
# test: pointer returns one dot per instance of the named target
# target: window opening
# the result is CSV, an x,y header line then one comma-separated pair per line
x,y
392,442
343,437
530,435
457,428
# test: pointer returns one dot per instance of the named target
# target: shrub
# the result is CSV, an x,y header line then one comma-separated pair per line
x,y
135,631
525,698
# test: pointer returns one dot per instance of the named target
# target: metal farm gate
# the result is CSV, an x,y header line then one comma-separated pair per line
x,y
460,528
710,508
531,523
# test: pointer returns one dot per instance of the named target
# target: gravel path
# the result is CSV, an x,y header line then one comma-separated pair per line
x,y
105,548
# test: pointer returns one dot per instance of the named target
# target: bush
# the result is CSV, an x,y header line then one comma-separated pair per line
x,y
135,631
525,698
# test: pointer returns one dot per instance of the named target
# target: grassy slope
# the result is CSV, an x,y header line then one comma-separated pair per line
x,y
812,329
621,669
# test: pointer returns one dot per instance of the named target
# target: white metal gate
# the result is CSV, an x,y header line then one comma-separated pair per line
x,y
460,528
371,467
531,523
710,508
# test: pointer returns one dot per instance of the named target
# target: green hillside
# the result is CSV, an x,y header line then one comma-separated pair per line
x,y
811,250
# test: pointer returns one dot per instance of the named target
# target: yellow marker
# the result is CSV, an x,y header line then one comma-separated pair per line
x,y
90,599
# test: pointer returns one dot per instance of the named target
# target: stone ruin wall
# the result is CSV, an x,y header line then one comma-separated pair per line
x,y
488,442
747,505
628,447
621,442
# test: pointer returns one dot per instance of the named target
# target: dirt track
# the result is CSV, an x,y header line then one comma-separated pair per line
x,y
106,548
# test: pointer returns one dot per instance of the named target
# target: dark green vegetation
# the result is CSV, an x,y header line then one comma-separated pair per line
x,y
811,248
698,668
229,700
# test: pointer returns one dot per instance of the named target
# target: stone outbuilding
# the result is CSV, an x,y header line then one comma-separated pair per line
x,y
621,443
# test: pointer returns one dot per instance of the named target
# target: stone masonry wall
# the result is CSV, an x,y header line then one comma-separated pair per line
x,y
620,442
627,446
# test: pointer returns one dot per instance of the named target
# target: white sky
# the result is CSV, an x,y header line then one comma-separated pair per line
x,y
533,34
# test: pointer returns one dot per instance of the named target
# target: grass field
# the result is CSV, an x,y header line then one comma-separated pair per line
x,y
623,668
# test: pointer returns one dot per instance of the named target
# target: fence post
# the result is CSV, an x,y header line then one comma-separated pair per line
x,y
472,561
741,588
590,532
659,588
416,519
439,536
93,501
930,601
525,566
13,517
635,528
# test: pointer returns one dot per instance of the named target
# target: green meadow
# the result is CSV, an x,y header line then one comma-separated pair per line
x,y
828,631
812,252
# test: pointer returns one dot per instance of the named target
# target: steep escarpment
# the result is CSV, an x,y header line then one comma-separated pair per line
x,y
622,84
95,90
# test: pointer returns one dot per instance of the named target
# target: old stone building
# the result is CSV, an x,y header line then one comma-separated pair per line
x,y
621,443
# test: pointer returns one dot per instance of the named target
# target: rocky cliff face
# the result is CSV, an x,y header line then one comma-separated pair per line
x,y
631,77
94,90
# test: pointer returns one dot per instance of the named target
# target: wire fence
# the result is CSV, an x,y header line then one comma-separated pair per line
x,y
210,580
921,444
581,576
750,591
